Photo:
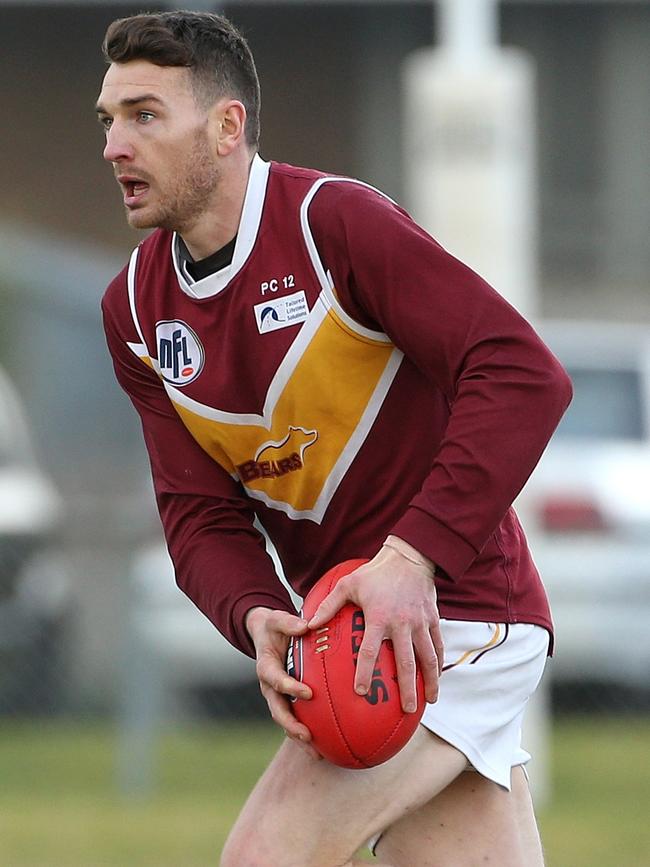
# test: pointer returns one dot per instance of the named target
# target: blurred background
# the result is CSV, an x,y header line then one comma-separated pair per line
x,y
517,133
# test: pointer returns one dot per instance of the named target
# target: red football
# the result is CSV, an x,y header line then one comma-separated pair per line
x,y
350,730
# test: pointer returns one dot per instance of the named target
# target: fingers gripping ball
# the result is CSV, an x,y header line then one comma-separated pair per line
x,y
350,730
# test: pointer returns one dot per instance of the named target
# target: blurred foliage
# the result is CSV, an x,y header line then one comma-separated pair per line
x,y
59,807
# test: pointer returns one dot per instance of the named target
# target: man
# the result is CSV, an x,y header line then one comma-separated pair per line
x,y
302,353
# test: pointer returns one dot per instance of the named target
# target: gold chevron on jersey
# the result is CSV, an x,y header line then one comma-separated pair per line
x,y
315,418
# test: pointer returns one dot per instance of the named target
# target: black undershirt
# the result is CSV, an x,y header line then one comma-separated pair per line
x,y
212,263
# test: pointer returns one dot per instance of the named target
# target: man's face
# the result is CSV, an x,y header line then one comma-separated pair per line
x,y
157,141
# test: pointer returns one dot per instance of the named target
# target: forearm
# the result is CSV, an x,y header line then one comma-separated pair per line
x,y
412,554
499,425
221,563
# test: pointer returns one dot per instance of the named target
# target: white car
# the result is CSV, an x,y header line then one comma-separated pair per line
x,y
590,503
30,507
33,584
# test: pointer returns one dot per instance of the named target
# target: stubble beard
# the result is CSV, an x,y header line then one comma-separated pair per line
x,y
190,193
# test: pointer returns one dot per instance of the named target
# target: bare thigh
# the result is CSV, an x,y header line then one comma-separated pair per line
x,y
309,813
473,821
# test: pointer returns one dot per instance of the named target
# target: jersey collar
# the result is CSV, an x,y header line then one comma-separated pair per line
x,y
246,237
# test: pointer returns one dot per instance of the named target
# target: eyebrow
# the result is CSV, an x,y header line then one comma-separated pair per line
x,y
130,101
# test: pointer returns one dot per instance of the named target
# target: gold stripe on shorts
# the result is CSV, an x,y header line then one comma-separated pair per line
x,y
473,655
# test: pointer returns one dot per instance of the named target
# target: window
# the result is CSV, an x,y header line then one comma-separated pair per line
x,y
607,404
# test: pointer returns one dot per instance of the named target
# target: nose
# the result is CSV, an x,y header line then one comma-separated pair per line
x,y
117,146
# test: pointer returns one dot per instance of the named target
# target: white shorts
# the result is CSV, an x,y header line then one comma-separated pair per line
x,y
490,671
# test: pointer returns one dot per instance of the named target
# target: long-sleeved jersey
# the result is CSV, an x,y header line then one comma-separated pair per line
x,y
342,379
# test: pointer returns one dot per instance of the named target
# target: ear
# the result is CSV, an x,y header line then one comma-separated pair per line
x,y
229,120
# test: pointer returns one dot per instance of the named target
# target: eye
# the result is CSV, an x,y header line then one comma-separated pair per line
x,y
145,116
105,121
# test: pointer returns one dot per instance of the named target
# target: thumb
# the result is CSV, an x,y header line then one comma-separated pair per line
x,y
332,603
287,624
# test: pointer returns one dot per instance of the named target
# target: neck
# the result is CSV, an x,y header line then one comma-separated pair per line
x,y
218,224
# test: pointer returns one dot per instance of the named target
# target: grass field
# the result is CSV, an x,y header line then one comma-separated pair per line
x,y
59,808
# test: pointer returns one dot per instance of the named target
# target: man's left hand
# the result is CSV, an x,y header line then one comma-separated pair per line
x,y
397,595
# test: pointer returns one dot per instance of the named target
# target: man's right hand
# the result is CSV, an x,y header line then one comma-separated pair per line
x,y
270,631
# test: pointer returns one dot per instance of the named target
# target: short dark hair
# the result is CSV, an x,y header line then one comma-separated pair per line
x,y
210,46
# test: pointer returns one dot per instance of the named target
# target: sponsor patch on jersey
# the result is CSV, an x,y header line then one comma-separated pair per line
x,y
281,312
180,353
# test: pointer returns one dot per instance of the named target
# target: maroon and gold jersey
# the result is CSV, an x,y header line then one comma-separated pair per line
x,y
343,378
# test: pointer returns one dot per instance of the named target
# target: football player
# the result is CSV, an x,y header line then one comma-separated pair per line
x,y
302,353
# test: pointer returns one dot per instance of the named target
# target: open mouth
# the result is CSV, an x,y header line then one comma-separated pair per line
x,y
134,191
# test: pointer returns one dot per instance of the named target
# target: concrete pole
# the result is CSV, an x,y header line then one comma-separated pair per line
x,y
470,148
468,28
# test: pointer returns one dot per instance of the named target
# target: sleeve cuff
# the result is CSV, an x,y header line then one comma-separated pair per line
x,y
448,551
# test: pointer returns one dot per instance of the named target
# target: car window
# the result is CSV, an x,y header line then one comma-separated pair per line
x,y
607,404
